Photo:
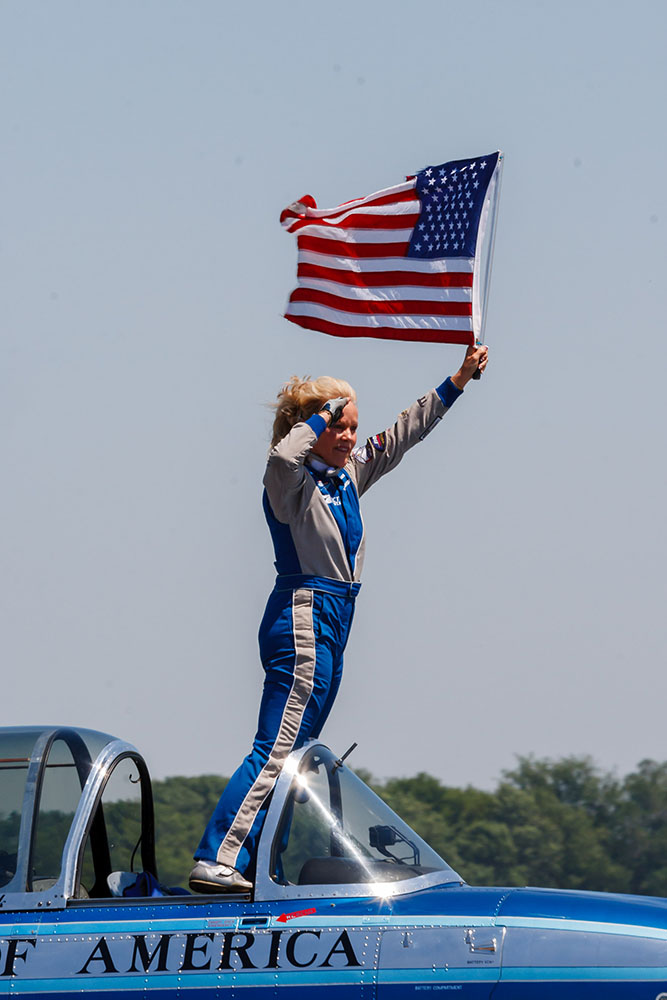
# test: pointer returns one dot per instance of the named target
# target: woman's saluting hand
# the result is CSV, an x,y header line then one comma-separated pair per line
x,y
335,407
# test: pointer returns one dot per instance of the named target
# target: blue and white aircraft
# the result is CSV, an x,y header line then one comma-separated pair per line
x,y
348,900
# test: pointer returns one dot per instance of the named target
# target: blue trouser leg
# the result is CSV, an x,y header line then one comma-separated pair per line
x,y
302,638
336,640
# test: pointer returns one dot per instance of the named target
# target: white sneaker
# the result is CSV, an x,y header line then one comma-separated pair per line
x,y
208,876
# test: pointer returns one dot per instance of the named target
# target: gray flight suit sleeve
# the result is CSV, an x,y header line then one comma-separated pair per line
x,y
286,478
383,452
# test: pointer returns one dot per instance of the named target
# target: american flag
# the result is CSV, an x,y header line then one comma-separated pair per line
x,y
411,262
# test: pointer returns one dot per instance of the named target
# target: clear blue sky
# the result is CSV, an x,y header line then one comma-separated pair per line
x,y
514,593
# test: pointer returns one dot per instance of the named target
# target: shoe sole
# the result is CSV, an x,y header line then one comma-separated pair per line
x,y
201,885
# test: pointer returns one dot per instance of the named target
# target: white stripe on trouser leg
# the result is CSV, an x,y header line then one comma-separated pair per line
x,y
290,724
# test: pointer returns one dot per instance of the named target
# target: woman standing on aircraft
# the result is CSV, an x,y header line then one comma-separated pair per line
x,y
314,478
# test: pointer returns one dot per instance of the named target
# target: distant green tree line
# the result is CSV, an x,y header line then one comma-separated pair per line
x,y
562,823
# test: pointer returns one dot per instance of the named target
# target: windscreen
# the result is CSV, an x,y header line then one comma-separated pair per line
x,y
335,830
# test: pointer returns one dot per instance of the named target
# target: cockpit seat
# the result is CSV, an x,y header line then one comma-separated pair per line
x,y
349,871
331,871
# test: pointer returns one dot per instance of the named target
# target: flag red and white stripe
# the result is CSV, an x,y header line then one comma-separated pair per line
x,y
356,280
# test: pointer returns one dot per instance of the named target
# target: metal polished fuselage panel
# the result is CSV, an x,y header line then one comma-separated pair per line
x,y
472,942
353,948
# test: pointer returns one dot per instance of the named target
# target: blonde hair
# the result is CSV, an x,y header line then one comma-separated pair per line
x,y
300,398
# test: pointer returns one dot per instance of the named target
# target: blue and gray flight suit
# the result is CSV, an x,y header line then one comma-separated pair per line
x,y
317,531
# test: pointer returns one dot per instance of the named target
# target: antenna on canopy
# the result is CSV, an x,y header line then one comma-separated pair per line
x,y
339,762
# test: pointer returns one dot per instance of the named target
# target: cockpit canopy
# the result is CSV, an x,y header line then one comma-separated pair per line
x,y
76,809
62,829
333,830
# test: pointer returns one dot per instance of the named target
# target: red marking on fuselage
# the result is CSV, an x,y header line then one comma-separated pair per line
x,y
284,917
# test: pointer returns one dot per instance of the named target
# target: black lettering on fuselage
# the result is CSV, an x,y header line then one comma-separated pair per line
x,y
240,949
273,954
141,952
13,954
342,946
100,953
291,945
151,953
190,949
